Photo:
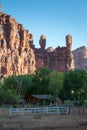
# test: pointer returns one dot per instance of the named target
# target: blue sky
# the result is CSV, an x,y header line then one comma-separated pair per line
x,y
54,18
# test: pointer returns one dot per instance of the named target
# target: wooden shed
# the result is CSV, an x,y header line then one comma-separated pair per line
x,y
35,98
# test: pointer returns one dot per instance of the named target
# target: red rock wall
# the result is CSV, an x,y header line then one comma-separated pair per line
x,y
18,55
58,59
16,49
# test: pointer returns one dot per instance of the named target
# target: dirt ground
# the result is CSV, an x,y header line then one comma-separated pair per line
x,y
43,122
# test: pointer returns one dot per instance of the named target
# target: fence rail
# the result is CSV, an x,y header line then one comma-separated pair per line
x,y
46,110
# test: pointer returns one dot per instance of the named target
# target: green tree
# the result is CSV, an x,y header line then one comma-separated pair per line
x,y
7,96
10,97
2,94
55,83
19,84
9,83
41,81
75,85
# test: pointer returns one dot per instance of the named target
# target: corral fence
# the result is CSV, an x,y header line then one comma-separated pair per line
x,y
36,110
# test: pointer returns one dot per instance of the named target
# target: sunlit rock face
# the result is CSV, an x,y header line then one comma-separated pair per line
x,y
18,55
58,59
80,58
16,48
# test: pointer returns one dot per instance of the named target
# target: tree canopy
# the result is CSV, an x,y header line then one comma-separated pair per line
x,y
75,85
20,84
70,85
55,83
41,81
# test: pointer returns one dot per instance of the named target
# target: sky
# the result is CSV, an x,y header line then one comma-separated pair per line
x,y
54,18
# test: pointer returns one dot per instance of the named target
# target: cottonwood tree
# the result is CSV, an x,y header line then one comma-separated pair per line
x,y
75,85
55,83
41,81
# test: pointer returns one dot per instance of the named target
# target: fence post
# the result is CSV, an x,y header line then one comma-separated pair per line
x,y
10,111
58,110
22,111
67,110
46,110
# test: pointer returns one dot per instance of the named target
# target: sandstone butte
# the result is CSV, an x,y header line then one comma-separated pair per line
x,y
19,56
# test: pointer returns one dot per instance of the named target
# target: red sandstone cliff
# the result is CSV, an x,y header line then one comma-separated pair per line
x,y
18,55
58,59
16,49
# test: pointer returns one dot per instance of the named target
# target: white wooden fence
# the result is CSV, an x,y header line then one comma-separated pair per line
x,y
46,110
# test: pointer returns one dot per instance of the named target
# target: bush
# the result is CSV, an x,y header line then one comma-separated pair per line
x,y
8,97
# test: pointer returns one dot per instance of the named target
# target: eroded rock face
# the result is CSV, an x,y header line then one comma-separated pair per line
x,y
16,49
80,58
58,59
18,55
42,41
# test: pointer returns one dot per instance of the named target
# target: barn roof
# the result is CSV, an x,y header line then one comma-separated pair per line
x,y
42,96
